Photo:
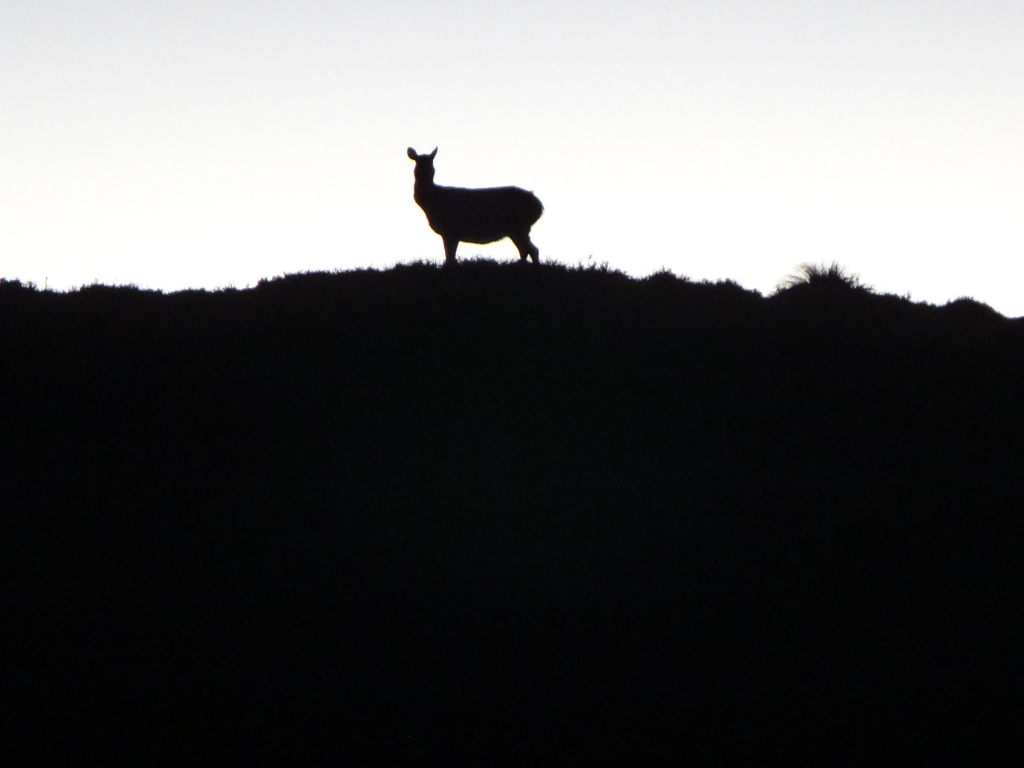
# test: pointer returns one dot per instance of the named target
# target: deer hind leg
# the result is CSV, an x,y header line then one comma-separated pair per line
x,y
534,253
450,246
526,248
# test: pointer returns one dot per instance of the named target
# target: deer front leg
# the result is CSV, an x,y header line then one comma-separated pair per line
x,y
450,245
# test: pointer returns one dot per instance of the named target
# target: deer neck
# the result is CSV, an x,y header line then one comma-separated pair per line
x,y
424,189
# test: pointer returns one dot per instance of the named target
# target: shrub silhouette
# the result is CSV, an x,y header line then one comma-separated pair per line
x,y
465,215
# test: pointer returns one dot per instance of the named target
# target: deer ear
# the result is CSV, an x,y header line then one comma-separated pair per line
x,y
412,153
433,153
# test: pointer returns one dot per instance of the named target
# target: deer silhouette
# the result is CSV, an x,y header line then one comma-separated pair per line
x,y
461,215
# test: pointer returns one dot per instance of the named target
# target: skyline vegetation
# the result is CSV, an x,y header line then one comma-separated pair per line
x,y
528,511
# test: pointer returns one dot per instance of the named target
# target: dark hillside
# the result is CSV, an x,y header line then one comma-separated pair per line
x,y
510,513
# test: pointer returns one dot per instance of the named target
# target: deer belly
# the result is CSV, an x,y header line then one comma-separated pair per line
x,y
482,216
479,236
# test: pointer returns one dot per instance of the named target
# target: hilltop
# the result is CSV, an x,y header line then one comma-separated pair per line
x,y
512,509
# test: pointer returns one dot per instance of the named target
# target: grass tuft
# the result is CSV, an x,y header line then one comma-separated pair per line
x,y
825,276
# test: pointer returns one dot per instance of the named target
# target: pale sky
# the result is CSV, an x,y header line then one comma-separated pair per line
x,y
188,143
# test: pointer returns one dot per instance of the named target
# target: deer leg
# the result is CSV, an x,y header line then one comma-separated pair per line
x,y
450,245
526,248
534,252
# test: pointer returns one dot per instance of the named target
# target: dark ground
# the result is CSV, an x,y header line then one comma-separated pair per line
x,y
510,514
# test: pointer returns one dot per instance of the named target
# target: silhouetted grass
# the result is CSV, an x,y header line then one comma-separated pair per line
x,y
510,513
823,277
